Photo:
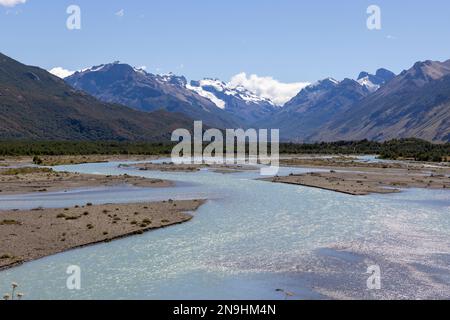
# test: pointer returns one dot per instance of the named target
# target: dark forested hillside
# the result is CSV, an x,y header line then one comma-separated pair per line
x,y
37,105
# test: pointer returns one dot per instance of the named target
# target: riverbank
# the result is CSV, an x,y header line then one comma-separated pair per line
x,y
33,234
33,179
80,159
353,164
172,167
48,160
370,180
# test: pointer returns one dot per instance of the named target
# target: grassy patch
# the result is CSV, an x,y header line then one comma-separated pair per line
x,y
10,223
26,170
73,217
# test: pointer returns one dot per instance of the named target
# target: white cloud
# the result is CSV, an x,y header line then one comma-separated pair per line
x,y
120,13
268,87
61,72
11,3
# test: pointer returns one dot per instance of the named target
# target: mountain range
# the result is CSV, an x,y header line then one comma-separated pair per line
x,y
322,102
34,104
216,103
244,105
118,101
142,91
416,103
222,105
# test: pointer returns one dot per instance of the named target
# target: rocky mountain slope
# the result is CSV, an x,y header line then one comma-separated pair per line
x,y
238,101
37,105
143,91
416,103
314,106
381,106
373,82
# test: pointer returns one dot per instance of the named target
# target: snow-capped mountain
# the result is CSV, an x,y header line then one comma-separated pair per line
x,y
373,82
236,100
416,103
375,106
171,79
321,102
134,87
216,103
201,87
314,92
314,106
36,105
222,90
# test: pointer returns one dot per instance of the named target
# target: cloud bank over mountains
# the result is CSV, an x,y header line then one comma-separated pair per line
x,y
61,72
264,87
268,87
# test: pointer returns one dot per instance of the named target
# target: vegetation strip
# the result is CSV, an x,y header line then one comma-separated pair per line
x,y
414,149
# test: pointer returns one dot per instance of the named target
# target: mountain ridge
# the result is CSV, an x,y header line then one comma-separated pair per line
x,y
416,103
243,104
35,104
313,106
137,89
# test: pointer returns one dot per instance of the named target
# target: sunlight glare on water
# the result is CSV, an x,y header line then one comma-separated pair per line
x,y
249,239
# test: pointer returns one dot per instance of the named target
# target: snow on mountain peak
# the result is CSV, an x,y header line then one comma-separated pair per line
x,y
206,94
374,82
171,79
140,70
217,91
325,83
365,82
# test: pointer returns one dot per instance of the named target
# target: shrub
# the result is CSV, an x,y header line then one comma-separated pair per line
x,y
9,222
37,160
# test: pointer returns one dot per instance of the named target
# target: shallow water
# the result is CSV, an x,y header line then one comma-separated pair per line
x,y
249,239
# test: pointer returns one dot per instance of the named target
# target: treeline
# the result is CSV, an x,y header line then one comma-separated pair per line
x,y
64,148
395,149
414,149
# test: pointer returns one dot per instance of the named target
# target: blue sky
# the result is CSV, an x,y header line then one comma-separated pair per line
x,y
290,40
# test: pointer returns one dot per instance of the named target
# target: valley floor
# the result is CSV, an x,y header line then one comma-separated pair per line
x,y
352,177
35,179
33,234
